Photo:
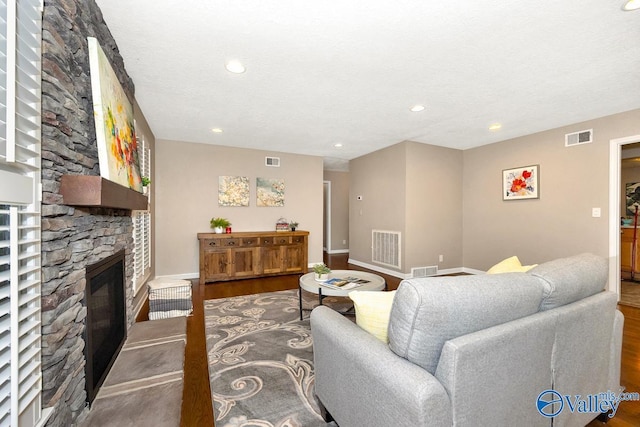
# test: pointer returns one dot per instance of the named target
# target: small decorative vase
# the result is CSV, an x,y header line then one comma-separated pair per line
x,y
218,230
322,277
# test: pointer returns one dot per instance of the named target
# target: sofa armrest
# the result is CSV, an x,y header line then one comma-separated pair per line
x,y
361,382
616,353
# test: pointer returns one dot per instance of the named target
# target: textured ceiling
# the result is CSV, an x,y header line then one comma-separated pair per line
x,y
321,73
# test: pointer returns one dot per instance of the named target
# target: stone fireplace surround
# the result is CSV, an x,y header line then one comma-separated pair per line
x,y
73,237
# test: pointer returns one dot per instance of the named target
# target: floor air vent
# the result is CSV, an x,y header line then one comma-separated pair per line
x,y
431,270
578,138
385,247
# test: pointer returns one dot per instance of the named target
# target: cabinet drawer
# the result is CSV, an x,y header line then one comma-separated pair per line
x,y
297,239
230,242
249,242
266,241
212,243
282,240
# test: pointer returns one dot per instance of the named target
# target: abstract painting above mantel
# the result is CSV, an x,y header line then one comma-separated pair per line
x,y
520,183
113,116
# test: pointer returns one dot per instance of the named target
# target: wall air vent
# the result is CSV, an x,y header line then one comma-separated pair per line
x,y
431,270
272,161
578,138
385,247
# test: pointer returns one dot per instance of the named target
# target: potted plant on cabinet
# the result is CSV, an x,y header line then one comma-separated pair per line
x,y
219,224
293,225
321,272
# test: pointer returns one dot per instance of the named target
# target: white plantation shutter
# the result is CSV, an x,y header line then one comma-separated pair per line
x,y
20,119
142,224
142,247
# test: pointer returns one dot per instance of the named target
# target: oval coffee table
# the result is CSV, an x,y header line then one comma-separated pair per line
x,y
372,282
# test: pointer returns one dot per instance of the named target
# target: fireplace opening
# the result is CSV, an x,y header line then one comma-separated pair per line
x,y
105,330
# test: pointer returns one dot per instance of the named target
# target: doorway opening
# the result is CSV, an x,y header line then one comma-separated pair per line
x,y
616,213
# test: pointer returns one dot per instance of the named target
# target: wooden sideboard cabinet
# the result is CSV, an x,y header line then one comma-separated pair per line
x,y
626,250
252,254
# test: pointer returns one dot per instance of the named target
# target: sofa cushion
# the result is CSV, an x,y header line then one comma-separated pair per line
x,y
571,279
427,312
372,311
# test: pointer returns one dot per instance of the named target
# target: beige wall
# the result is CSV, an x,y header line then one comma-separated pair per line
x,y
339,210
434,207
412,188
379,178
573,180
186,195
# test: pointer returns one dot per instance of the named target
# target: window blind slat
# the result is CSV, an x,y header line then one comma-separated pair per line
x,y
20,129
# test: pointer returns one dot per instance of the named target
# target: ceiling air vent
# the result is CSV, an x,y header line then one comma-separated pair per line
x,y
272,161
424,271
578,138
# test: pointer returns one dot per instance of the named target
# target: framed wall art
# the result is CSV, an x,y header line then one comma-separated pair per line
x,y
269,192
632,192
521,183
113,116
233,191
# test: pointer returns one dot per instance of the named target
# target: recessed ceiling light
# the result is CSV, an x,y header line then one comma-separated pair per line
x,y
495,126
417,108
631,5
235,67
338,145
216,130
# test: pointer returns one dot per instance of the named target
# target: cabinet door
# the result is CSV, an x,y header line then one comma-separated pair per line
x,y
293,258
245,262
216,264
271,259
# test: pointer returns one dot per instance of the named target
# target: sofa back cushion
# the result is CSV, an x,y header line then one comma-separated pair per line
x,y
570,279
427,312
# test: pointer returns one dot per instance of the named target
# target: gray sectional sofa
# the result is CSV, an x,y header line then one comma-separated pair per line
x,y
477,350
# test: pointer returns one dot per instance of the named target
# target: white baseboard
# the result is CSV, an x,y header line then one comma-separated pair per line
x,y
379,269
472,271
408,275
185,276
338,251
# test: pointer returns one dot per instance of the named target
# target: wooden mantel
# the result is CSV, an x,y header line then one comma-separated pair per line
x,y
97,192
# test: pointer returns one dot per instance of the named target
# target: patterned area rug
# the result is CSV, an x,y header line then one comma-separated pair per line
x,y
261,360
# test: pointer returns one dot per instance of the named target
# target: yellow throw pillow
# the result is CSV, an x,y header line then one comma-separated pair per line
x,y
372,311
510,265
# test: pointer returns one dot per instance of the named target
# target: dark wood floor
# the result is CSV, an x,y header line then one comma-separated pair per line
x,y
196,403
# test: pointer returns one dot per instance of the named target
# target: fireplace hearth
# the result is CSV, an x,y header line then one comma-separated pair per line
x,y
105,330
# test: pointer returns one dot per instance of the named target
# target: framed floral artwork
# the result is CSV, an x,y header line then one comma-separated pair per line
x,y
233,191
269,192
521,183
113,116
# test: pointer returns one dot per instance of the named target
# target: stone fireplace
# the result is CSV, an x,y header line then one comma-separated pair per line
x,y
73,237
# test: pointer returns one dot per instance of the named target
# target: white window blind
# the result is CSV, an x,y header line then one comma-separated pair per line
x,y
142,247
142,223
20,268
